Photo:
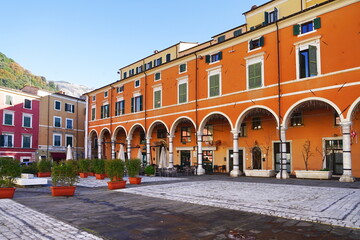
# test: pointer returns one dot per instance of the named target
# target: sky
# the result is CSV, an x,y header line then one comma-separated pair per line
x,y
86,41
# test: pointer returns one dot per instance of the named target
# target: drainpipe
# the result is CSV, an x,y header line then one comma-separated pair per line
x,y
77,128
145,119
86,143
110,114
196,99
48,129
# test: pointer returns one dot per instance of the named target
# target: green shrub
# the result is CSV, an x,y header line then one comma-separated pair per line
x,y
99,166
115,169
44,165
84,165
64,174
149,170
9,170
32,169
133,167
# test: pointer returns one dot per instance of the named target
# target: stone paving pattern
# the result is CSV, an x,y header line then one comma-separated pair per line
x,y
122,215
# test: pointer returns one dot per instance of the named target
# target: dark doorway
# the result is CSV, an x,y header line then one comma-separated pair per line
x,y
334,156
277,157
185,158
256,158
241,160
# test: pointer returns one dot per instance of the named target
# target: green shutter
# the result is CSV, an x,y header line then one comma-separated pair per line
x,y
2,140
123,107
250,45
182,93
132,104
296,29
266,18
317,23
207,58
220,55
312,61
254,75
141,102
157,99
261,41
214,87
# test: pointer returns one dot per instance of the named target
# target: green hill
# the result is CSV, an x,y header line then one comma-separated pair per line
x,y
12,75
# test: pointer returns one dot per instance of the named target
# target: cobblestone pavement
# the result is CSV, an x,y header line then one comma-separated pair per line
x,y
123,215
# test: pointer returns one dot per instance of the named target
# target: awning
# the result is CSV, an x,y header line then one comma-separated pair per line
x,y
58,155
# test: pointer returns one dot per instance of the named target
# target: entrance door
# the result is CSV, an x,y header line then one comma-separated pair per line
x,y
185,158
334,156
277,157
256,158
241,160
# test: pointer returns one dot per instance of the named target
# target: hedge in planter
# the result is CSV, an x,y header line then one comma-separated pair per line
x,y
149,170
64,176
9,170
133,168
99,168
84,167
44,167
115,170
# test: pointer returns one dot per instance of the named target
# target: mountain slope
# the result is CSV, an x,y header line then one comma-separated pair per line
x,y
72,89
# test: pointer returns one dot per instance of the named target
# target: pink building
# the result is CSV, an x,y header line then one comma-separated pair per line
x,y
19,124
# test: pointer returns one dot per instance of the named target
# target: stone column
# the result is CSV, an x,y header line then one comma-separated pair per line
x,y
148,151
236,171
283,174
99,148
200,169
128,147
88,149
347,164
113,148
171,151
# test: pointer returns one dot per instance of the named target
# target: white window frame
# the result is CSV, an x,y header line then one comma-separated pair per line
x,y
22,140
120,89
303,45
302,22
72,139
23,119
72,123
31,103
94,98
156,89
135,83
57,134
106,94
60,121
55,105
253,60
12,100
212,72
13,116
186,68
12,139
25,157
93,107
72,106
255,49
180,82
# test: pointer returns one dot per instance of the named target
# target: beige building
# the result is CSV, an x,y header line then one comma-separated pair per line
x,y
61,123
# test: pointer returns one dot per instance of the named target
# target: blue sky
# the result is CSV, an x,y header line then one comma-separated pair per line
x,y
87,41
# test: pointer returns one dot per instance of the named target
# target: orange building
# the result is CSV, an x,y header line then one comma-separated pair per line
x,y
261,96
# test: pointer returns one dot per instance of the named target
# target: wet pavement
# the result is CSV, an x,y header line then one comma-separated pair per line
x,y
124,215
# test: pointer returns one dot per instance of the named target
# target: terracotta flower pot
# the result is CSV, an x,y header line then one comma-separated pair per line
x,y
135,180
99,176
91,174
116,185
44,174
63,191
83,175
7,192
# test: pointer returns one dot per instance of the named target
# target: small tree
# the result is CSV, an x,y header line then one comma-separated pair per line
x,y
9,170
306,153
44,165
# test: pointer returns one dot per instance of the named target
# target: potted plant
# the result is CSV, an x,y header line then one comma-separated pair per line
x,y
133,168
149,170
84,168
313,174
44,168
30,169
99,168
115,170
64,176
91,168
9,170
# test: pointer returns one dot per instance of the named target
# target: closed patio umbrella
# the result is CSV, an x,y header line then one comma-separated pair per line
x,y
121,154
163,161
139,155
68,153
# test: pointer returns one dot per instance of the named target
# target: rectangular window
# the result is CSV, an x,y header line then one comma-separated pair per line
x,y
214,85
307,27
296,119
124,75
256,123
208,132
136,104
185,135
213,58
27,120
93,113
243,130
106,94
157,99
6,140
94,98
256,43
182,68
183,92
120,89
137,83
148,65
57,105
57,121
254,75
69,140
237,32
168,57
105,111
308,62
270,17
57,140
120,108
27,104
161,133
8,118
9,100
221,39
157,76
26,141
69,123
69,107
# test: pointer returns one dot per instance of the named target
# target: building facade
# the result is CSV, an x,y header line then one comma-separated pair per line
x,y
258,96
19,124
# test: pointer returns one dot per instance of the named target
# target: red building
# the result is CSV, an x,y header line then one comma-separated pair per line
x,y
19,124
